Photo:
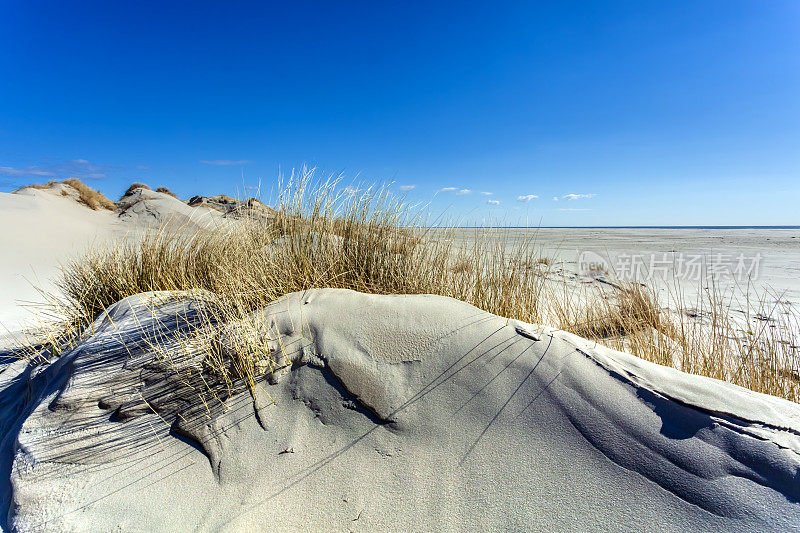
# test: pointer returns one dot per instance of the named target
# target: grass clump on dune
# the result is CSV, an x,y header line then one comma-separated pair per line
x,y
319,237
756,349
86,195
94,199
136,185
164,190
371,242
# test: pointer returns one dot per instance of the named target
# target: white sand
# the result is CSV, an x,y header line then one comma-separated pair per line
x,y
400,413
43,229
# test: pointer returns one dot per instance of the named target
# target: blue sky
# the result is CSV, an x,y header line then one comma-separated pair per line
x,y
663,113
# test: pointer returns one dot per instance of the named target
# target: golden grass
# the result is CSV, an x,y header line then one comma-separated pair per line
x,y
756,348
88,196
372,242
40,186
136,185
94,199
167,191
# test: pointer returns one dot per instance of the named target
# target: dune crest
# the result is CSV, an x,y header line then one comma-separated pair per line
x,y
398,412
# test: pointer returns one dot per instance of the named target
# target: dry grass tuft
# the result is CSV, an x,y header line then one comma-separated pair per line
x,y
167,191
94,199
130,190
40,186
757,350
630,309
88,196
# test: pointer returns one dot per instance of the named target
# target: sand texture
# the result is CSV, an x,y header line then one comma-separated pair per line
x,y
397,413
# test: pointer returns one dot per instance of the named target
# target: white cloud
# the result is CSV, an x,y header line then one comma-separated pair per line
x,y
448,189
406,188
577,196
28,171
526,197
224,162
485,193
573,209
349,190
75,168
464,191
493,202
142,167
555,198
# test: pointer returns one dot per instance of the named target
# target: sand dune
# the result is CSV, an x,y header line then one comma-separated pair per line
x,y
397,413
146,208
41,228
44,228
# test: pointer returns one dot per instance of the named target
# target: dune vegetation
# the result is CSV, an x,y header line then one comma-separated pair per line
x,y
86,195
368,240
167,191
133,187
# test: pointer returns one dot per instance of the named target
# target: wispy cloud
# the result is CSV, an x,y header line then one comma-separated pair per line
x,y
27,171
457,190
526,197
74,168
406,188
142,167
577,196
225,162
573,209
493,202
555,198
486,193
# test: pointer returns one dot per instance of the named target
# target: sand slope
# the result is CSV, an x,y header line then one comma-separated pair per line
x,y
398,413
44,228
40,229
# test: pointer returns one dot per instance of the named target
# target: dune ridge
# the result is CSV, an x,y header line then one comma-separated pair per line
x,y
445,416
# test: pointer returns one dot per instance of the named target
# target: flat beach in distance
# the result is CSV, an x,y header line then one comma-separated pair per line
x,y
765,257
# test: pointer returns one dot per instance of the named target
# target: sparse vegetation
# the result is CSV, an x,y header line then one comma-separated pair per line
x,y
373,243
88,196
40,186
130,190
166,191
94,199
